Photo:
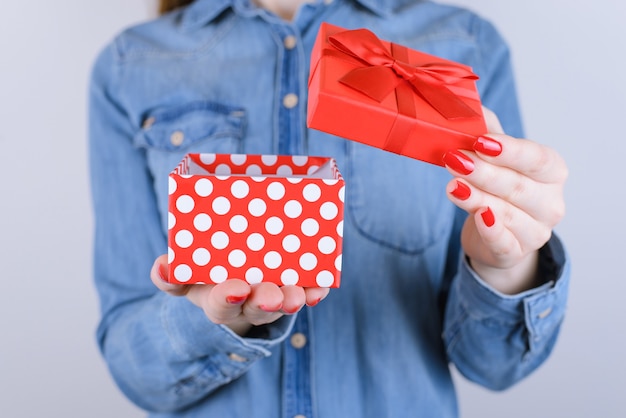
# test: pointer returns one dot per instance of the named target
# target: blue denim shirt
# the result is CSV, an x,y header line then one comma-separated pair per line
x,y
409,305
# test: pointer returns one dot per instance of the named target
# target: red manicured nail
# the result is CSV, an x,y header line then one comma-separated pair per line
x,y
270,309
488,217
291,311
459,162
488,146
315,302
462,191
236,300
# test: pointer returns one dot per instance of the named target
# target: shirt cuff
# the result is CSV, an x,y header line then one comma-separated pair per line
x,y
542,308
192,335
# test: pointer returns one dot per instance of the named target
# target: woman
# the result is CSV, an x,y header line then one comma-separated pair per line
x,y
424,284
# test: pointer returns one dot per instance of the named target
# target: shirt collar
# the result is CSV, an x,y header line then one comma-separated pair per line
x,y
200,12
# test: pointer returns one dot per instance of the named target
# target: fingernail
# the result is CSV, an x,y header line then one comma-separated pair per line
x,y
270,309
462,191
162,270
315,302
488,146
236,300
292,311
459,162
488,217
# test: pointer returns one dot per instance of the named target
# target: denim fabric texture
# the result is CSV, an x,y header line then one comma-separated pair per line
x,y
211,77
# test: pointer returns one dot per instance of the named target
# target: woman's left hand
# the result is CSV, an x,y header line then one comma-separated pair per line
x,y
513,190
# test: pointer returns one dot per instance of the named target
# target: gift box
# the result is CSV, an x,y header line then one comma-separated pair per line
x,y
391,97
257,218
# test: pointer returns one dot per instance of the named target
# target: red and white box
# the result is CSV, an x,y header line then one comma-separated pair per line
x,y
272,218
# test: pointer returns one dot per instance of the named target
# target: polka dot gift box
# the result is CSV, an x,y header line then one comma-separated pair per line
x,y
273,218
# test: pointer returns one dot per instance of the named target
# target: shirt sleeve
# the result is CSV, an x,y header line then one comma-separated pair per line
x,y
495,339
161,350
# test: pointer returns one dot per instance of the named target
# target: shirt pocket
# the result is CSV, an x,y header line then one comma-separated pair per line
x,y
397,201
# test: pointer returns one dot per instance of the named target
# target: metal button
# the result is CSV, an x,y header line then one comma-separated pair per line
x,y
290,100
290,41
177,138
298,340
237,358
147,124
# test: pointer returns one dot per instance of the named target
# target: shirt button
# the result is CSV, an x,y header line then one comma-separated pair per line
x,y
177,138
290,41
147,124
236,357
328,1
299,416
298,340
290,101
545,313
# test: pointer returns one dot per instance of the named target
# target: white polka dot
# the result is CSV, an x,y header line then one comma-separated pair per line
x,y
170,255
269,159
289,277
340,229
186,176
338,262
308,261
284,170
185,204
221,205
293,209
329,211
274,225
255,242
291,243
238,224
310,227
294,180
203,187
219,240
342,194
254,170
172,186
325,279
171,220
222,177
240,189
312,192
276,191
327,245
272,260
202,222
257,207
184,238
201,256
208,158
237,258
238,159
254,275
182,273
330,182
218,274
300,160
222,170
258,179
312,169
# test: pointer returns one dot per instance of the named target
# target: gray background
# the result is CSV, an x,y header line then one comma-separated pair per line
x,y
569,60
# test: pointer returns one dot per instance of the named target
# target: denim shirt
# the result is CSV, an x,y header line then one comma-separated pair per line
x,y
213,77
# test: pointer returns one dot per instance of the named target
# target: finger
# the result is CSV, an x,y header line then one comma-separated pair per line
x,y
541,163
315,295
222,302
159,276
492,121
294,299
264,303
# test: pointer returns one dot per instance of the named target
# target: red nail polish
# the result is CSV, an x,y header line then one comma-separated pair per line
x,y
488,146
291,311
462,191
236,300
270,309
163,274
488,217
315,302
459,162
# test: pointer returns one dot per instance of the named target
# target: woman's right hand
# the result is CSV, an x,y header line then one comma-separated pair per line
x,y
237,304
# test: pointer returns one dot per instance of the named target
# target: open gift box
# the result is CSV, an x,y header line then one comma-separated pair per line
x,y
257,218
391,97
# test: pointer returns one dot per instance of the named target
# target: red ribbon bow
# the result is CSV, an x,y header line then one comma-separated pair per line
x,y
386,71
